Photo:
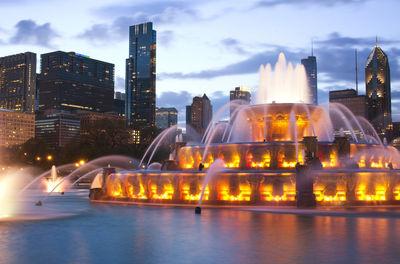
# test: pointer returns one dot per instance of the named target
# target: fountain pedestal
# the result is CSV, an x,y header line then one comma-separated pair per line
x,y
99,193
305,196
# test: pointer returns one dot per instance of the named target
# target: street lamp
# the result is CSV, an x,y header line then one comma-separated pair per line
x,y
49,157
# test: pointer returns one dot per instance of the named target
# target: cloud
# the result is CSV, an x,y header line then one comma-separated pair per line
x,y
179,100
162,12
165,37
273,3
246,66
28,32
119,84
335,60
234,45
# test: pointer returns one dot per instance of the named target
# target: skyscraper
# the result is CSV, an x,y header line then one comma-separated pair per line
x,y
310,64
18,82
240,93
140,88
377,80
199,114
166,117
356,103
72,81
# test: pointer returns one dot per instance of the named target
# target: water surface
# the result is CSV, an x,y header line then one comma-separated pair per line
x,y
99,233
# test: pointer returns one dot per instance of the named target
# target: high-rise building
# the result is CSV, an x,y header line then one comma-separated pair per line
x,y
356,103
57,128
241,93
18,82
199,114
166,117
310,64
72,81
16,127
119,103
140,88
377,80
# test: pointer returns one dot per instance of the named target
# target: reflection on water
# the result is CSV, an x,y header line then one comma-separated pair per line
x,y
129,234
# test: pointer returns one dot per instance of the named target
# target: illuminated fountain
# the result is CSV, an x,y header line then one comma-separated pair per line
x,y
52,183
281,150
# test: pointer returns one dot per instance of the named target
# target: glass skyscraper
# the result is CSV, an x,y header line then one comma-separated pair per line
x,y
140,87
377,80
72,81
18,82
310,64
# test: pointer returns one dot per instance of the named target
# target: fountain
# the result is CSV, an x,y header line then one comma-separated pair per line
x,y
281,150
52,183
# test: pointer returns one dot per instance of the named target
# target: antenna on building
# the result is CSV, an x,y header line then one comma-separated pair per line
x,y
356,71
312,47
376,41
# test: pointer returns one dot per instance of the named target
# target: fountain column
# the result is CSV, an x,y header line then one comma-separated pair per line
x,y
342,147
106,172
304,174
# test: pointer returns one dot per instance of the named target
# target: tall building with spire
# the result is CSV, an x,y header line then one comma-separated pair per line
x,y
140,87
310,64
378,92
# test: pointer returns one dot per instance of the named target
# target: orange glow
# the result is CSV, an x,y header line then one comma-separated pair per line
x,y
244,193
289,193
396,193
340,195
361,163
193,197
286,164
166,195
380,193
51,183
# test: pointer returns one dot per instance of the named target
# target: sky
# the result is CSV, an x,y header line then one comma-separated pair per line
x,y
212,46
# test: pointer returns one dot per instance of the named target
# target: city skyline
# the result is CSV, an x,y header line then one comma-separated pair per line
x,y
222,59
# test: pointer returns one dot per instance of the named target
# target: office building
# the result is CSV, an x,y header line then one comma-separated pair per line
x,y
241,93
310,65
18,82
166,117
356,103
378,92
15,127
140,88
198,114
57,128
72,81
119,103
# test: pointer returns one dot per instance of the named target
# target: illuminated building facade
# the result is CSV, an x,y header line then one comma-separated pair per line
x,y
166,117
71,81
15,127
57,128
18,82
140,88
377,80
240,93
310,64
356,103
199,114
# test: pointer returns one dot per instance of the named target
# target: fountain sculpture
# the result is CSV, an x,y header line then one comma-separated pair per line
x,y
281,150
